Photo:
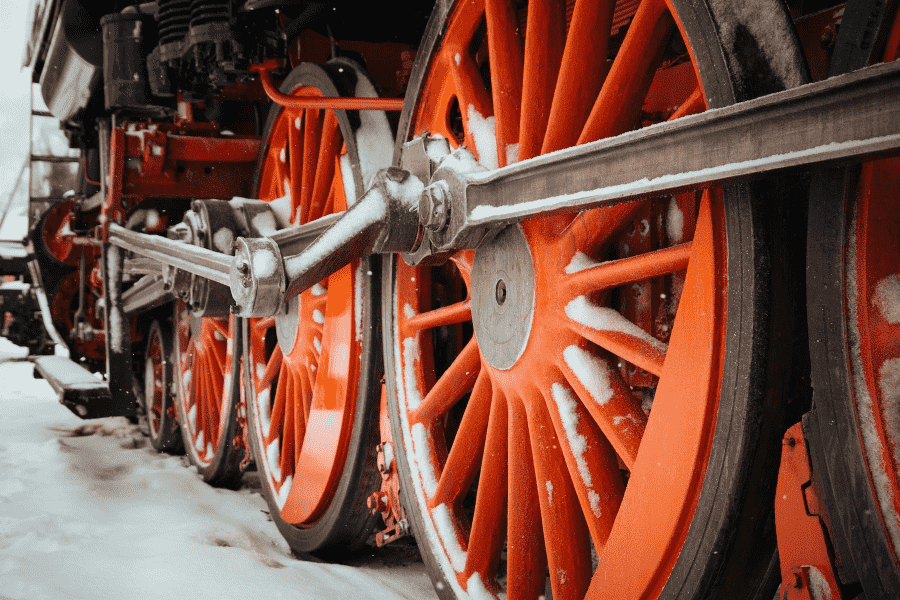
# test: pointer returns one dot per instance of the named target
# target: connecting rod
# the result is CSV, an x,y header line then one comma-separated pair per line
x,y
443,201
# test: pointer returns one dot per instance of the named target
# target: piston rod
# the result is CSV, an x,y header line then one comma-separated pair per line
x,y
848,118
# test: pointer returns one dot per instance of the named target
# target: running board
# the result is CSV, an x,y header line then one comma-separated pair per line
x,y
79,390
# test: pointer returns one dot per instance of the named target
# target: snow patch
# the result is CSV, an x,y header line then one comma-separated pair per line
x,y
348,180
594,501
476,588
818,585
422,454
318,289
358,302
440,514
580,262
567,406
600,318
411,356
408,311
458,59
512,153
484,134
549,486
674,222
318,317
592,372
887,298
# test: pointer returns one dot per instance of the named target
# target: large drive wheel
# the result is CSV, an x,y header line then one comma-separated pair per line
x,y
595,400
854,323
158,397
208,393
312,377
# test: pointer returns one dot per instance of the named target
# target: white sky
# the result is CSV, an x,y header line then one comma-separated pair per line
x,y
14,117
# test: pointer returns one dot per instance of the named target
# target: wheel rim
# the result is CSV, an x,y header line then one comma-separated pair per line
x,y
873,316
306,363
153,383
656,307
204,359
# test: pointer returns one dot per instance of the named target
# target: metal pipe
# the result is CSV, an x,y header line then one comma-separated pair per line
x,y
304,102
193,259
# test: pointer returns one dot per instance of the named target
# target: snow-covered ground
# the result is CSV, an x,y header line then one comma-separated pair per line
x,y
89,510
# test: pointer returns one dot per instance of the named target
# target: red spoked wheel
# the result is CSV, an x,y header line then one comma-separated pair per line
x,y
207,394
579,403
158,397
311,376
854,322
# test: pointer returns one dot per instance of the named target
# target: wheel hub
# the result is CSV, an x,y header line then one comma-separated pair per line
x,y
503,297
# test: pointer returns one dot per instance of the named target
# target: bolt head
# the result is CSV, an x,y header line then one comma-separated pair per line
x,y
433,206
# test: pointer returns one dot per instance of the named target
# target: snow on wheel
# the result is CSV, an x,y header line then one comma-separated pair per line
x,y
207,394
854,322
159,403
582,402
312,372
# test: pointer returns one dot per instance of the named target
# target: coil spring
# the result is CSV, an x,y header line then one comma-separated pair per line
x,y
204,12
174,18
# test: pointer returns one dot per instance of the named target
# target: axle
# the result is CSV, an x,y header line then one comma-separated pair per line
x,y
442,201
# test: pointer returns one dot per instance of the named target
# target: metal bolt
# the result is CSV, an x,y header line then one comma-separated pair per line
x,y
500,292
433,211
397,174
377,502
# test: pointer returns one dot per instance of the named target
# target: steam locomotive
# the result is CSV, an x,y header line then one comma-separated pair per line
x,y
595,298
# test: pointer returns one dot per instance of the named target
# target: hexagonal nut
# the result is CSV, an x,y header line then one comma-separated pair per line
x,y
434,206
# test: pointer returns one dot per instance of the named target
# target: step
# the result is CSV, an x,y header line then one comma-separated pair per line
x,y
79,390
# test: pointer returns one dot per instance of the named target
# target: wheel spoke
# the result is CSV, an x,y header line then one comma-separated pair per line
x,y
272,369
592,229
626,270
312,132
452,385
295,160
590,458
286,457
459,312
330,146
525,554
505,50
463,261
278,414
489,522
611,331
582,72
565,534
544,42
462,462
695,103
474,101
608,399
618,106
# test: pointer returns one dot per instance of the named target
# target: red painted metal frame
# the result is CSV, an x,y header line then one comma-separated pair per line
x,y
319,102
807,569
187,160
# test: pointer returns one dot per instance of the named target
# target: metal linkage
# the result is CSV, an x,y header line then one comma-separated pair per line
x,y
848,118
